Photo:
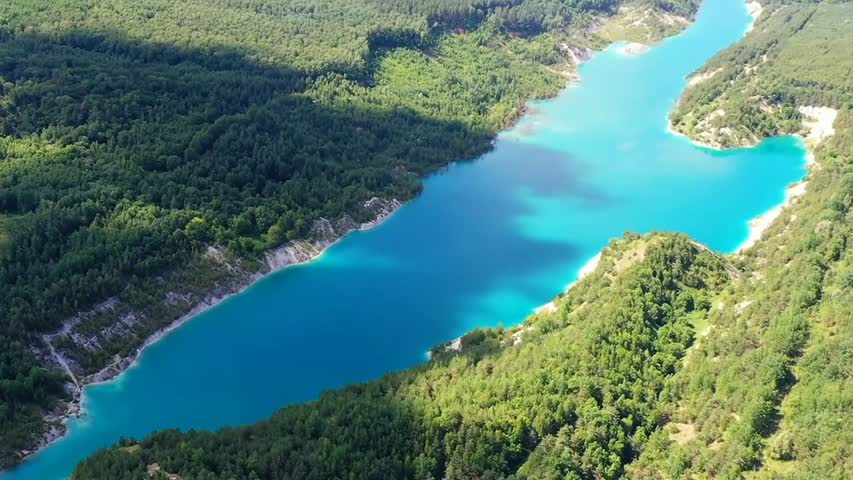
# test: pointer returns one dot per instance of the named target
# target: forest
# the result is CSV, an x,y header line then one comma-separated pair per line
x,y
136,134
770,386
810,65
667,362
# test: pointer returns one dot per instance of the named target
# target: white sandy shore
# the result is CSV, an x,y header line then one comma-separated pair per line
x,y
817,120
549,307
698,143
759,224
819,123
274,259
701,77
754,9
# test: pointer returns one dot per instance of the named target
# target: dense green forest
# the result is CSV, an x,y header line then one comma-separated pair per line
x,y
756,86
135,134
667,362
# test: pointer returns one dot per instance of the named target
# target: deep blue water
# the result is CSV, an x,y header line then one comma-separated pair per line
x,y
485,244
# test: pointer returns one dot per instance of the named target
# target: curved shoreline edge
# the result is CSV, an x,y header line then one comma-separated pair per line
x,y
760,223
819,122
587,268
290,254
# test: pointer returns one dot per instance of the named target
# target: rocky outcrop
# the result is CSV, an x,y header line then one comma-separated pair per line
x,y
324,233
578,55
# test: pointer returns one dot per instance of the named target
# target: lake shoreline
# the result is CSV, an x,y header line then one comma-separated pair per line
x,y
819,123
57,419
291,254
818,119
761,222
587,268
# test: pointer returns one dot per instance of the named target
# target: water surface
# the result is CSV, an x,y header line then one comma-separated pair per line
x,y
485,244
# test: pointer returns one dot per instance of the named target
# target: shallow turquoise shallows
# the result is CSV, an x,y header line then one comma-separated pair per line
x,y
485,244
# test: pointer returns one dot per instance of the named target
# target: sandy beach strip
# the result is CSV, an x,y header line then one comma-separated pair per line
x,y
585,270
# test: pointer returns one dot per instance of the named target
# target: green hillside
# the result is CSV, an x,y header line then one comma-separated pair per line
x,y
667,362
796,55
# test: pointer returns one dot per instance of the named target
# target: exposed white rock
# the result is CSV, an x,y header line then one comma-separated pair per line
x,y
322,235
740,307
819,122
701,77
754,8
516,337
759,224
634,48
586,269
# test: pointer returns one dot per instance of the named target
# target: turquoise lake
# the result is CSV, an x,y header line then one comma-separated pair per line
x,y
485,243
